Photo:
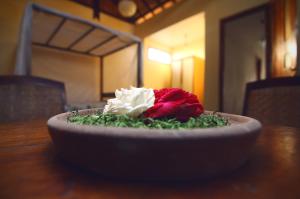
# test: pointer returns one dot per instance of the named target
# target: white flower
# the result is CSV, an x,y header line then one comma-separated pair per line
x,y
133,101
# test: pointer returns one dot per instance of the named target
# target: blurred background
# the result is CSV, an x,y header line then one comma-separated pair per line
x,y
212,48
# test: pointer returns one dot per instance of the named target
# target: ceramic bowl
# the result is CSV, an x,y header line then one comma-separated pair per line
x,y
153,154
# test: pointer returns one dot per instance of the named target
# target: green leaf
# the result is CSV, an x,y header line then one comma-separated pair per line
x,y
203,121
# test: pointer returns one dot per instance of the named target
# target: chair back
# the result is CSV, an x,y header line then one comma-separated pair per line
x,y
274,101
24,98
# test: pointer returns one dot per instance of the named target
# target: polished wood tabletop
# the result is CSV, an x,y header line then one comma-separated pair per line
x,y
30,168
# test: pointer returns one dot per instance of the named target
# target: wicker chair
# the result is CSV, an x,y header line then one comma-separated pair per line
x,y
275,101
24,98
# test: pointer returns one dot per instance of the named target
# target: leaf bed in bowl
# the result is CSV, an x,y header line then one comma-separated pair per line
x,y
155,154
111,120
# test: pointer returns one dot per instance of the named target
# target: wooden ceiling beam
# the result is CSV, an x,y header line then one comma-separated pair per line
x,y
159,4
139,13
141,5
115,2
146,4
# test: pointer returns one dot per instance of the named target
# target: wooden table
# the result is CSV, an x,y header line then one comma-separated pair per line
x,y
29,168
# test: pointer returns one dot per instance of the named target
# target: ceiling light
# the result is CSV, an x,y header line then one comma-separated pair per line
x,y
127,8
168,4
148,16
157,10
140,21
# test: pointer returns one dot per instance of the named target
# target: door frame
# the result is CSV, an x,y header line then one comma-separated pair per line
x,y
266,8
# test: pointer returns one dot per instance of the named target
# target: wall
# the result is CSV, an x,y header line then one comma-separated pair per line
x,y
156,75
121,66
188,74
80,73
194,48
11,12
214,12
10,17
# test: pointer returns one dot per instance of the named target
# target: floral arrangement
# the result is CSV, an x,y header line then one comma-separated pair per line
x,y
167,102
171,108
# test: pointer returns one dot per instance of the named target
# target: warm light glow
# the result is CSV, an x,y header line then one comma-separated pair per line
x,y
148,16
159,56
127,8
157,10
291,55
168,4
140,21
288,61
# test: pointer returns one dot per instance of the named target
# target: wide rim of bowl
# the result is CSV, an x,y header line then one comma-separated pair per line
x,y
239,125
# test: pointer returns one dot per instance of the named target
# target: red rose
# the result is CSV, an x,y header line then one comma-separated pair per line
x,y
174,103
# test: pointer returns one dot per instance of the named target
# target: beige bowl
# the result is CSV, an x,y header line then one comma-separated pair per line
x,y
152,154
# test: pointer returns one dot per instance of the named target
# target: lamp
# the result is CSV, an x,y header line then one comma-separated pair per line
x,y
127,8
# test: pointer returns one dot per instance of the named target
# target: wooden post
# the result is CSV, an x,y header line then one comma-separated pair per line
x,y
101,77
139,64
23,57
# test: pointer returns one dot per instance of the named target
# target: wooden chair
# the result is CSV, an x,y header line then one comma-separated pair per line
x,y
275,101
24,98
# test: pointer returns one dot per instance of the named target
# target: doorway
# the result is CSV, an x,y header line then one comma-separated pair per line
x,y
244,55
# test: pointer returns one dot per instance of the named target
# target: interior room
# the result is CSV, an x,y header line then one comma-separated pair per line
x,y
185,53
149,99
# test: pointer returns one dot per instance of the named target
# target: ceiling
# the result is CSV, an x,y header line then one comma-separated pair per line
x,y
184,32
146,8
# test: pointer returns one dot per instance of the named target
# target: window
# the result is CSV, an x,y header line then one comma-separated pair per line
x,y
159,56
